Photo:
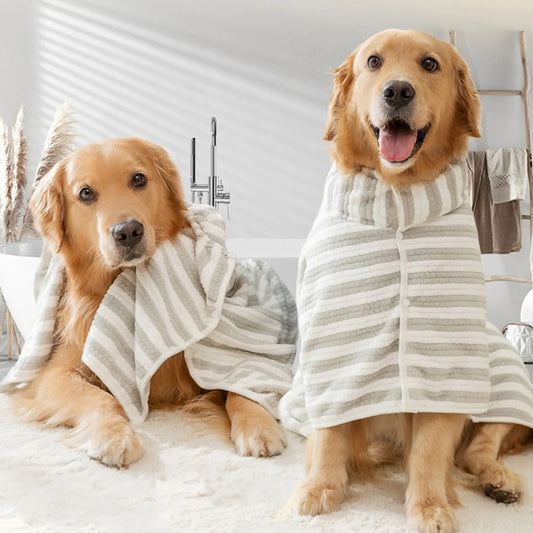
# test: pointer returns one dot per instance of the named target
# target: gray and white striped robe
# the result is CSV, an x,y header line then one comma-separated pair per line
x,y
234,320
392,310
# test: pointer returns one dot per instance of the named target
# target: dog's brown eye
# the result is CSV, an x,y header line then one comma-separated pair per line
x,y
138,181
430,64
374,62
87,195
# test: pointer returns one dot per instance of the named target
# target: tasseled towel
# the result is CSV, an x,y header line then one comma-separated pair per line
x,y
507,170
392,310
495,203
235,321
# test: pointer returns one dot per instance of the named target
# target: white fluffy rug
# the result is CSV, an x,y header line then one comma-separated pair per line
x,y
188,482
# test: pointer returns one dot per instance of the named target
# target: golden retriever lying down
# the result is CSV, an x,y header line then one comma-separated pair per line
x,y
402,110
105,208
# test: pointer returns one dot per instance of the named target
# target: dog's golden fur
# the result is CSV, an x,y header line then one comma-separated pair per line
x,y
447,101
66,392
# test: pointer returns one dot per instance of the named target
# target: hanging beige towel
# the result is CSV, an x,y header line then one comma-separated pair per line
x,y
507,171
498,224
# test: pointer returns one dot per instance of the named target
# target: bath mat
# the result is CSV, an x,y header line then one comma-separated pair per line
x,y
190,482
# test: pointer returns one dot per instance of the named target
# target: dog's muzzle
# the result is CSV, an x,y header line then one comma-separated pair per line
x,y
397,94
128,233
397,139
130,246
129,242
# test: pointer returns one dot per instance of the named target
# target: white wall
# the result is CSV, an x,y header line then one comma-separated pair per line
x,y
159,69
17,49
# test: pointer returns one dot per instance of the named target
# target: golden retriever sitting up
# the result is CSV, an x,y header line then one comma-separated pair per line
x,y
404,106
106,208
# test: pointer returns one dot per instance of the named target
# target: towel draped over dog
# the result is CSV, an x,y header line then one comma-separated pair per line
x,y
392,310
234,320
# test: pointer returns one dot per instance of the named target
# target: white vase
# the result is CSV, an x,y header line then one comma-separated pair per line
x,y
18,265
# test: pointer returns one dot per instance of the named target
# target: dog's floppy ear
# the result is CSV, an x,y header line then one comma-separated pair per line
x,y
47,206
344,77
468,104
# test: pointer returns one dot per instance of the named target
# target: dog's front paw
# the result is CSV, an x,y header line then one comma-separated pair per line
x,y
112,442
258,439
428,517
313,499
121,449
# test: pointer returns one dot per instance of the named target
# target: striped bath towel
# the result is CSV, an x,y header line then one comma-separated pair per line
x,y
235,321
392,310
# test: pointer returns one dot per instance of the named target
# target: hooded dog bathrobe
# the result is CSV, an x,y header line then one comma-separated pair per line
x,y
392,310
234,320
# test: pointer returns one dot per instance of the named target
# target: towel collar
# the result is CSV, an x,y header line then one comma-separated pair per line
x,y
366,198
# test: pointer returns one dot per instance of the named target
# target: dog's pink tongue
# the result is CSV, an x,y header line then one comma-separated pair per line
x,y
397,144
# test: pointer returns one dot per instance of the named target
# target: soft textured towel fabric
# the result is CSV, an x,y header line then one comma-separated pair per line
x,y
498,224
507,172
392,310
235,321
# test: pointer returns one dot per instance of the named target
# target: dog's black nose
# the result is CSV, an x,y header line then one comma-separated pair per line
x,y
128,233
398,93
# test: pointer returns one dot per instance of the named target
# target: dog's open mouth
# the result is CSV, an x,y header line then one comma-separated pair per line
x,y
397,141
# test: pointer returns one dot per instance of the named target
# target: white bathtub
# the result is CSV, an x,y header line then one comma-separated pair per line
x,y
19,262
282,254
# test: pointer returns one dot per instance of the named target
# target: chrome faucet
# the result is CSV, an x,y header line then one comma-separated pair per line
x,y
214,187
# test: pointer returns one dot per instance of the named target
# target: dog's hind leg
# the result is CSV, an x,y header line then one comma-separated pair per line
x,y
481,458
430,451
61,396
328,454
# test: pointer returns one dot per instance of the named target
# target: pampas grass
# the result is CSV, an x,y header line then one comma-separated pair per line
x,y
7,179
59,143
20,160
13,174
16,220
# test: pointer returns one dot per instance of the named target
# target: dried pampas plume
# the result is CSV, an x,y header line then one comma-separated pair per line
x,y
20,160
13,173
7,182
59,143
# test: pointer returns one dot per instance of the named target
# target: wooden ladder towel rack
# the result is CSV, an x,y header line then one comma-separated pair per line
x,y
524,94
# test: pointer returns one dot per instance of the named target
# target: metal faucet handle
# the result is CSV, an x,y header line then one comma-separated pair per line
x,y
214,130
198,197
